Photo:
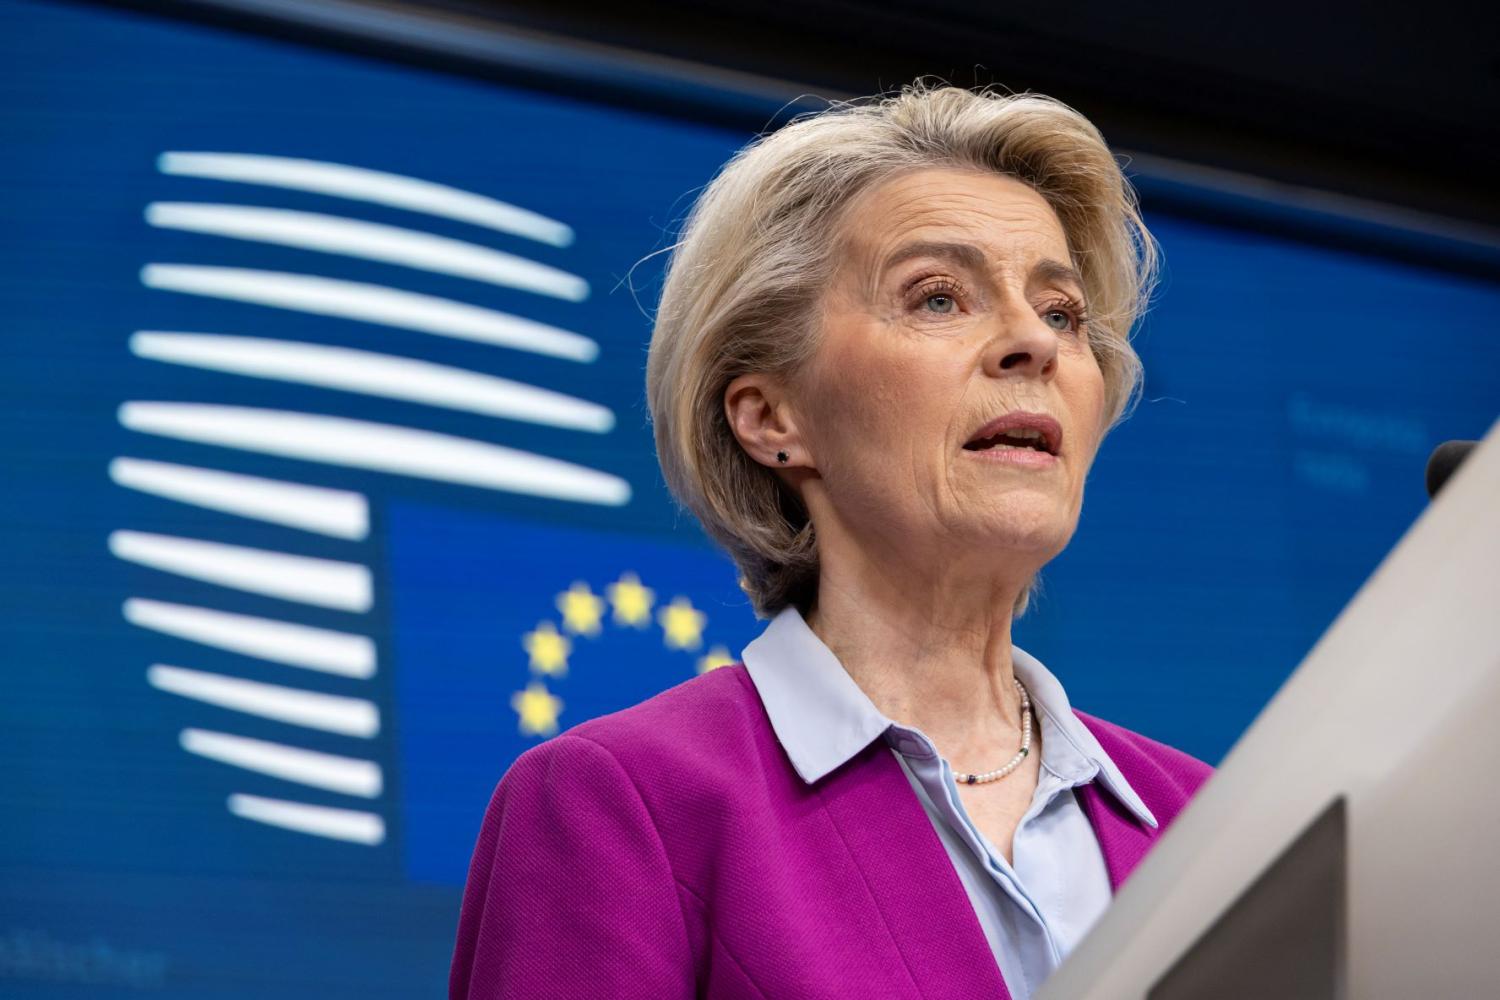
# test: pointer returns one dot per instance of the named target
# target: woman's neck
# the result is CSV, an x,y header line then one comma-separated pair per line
x,y
931,649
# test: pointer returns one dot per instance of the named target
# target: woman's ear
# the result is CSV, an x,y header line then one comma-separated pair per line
x,y
761,417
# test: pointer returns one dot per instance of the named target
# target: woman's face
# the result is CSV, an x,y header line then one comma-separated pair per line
x,y
955,306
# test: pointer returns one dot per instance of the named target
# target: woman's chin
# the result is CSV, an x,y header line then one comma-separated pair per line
x,y
1037,530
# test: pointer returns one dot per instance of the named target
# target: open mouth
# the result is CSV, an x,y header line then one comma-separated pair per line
x,y
1026,438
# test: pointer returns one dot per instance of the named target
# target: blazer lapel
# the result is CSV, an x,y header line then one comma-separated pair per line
x,y
1123,837
911,878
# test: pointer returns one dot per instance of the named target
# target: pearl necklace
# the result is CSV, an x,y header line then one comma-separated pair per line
x,y
1015,762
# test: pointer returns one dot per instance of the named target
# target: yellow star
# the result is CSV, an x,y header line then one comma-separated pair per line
x,y
581,609
548,649
631,600
682,624
538,709
714,659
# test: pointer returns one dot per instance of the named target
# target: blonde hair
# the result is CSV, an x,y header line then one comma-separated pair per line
x,y
759,247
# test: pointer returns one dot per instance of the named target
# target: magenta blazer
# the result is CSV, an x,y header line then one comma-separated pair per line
x,y
670,850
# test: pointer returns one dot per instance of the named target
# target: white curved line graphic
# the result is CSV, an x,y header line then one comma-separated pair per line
x,y
371,241
321,649
323,582
348,775
358,300
338,513
320,821
374,374
380,447
328,712
363,184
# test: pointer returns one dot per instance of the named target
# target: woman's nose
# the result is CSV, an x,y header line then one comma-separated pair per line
x,y
1024,346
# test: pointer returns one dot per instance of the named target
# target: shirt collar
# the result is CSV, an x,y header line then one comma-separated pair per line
x,y
823,718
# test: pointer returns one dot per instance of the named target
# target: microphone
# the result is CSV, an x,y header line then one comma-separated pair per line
x,y
1445,460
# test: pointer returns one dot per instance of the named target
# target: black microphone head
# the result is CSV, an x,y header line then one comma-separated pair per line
x,y
1446,458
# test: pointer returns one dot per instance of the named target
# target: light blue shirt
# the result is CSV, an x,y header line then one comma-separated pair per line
x,y
1033,911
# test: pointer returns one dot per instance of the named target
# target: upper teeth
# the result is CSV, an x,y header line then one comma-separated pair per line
x,y
1023,432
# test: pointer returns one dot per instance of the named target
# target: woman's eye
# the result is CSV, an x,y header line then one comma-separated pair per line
x,y
1067,319
940,302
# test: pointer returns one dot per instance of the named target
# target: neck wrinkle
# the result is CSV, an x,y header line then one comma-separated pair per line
x,y
931,650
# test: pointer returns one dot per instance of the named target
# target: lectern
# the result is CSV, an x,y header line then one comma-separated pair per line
x,y
1349,845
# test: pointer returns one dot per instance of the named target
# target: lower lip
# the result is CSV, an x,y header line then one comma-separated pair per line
x,y
1026,458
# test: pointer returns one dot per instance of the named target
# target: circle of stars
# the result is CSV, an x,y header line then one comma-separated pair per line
x,y
631,604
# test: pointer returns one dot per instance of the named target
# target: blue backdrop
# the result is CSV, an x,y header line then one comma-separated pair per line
x,y
248,727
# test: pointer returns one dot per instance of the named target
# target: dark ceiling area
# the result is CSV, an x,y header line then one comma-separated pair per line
x,y
1399,105
1390,102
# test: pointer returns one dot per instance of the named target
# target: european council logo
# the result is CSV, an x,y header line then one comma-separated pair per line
x,y
374,451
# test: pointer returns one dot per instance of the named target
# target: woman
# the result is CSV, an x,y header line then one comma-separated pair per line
x,y
892,337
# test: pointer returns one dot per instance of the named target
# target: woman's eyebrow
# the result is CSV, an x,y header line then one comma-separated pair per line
x,y
1049,271
965,254
1044,271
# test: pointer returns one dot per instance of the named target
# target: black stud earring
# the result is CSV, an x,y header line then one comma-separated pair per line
x,y
782,457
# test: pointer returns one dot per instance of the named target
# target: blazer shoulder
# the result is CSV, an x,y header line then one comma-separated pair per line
x,y
717,714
